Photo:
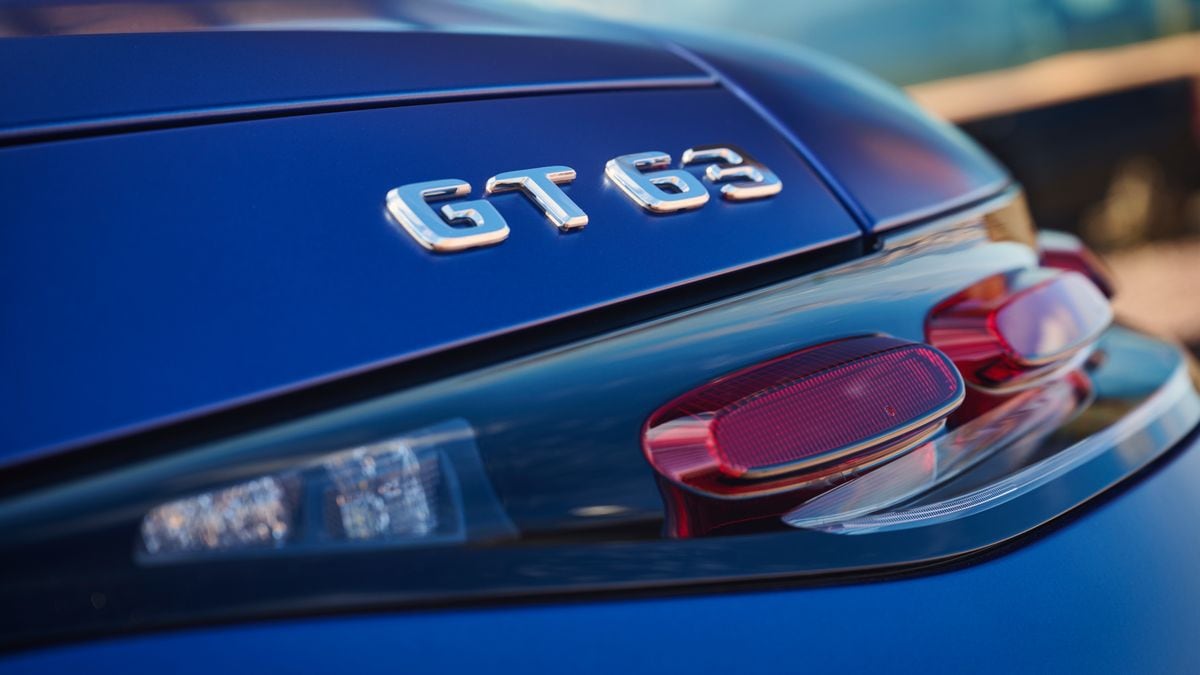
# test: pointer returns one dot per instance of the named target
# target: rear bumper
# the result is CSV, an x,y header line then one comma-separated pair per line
x,y
1112,589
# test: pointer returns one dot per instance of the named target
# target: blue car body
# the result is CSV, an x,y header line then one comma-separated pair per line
x,y
195,245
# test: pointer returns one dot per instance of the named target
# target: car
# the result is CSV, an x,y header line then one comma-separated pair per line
x,y
471,337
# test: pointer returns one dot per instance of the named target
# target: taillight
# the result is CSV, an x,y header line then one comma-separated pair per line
x,y
422,488
806,419
1009,330
1066,252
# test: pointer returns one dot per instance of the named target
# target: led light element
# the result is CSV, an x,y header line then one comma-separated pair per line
x,y
254,514
424,488
383,490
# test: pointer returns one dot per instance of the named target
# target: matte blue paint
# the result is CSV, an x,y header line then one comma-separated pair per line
x,y
1114,592
152,275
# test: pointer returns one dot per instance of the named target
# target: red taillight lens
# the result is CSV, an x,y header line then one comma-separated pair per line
x,y
1004,331
803,417
1066,252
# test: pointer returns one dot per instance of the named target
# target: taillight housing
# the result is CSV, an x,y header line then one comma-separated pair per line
x,y
1008,330
1063,251
805,420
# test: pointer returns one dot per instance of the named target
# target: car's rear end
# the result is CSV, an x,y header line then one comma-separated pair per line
x,y
249,398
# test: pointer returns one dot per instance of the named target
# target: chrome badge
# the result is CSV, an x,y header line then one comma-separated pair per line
x,y
646,189
541,187
646,178
409,205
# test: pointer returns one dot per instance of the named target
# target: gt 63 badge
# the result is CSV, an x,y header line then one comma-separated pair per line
x,y
644,177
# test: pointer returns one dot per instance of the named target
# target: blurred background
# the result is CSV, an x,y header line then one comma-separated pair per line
x,y
1092,104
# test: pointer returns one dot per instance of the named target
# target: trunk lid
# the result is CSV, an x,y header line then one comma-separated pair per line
x,y
158,275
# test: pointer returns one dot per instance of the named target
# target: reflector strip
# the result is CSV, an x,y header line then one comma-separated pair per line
x,y
801,416
1015,426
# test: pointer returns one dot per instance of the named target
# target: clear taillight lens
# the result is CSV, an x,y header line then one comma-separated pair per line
x,y
405,491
